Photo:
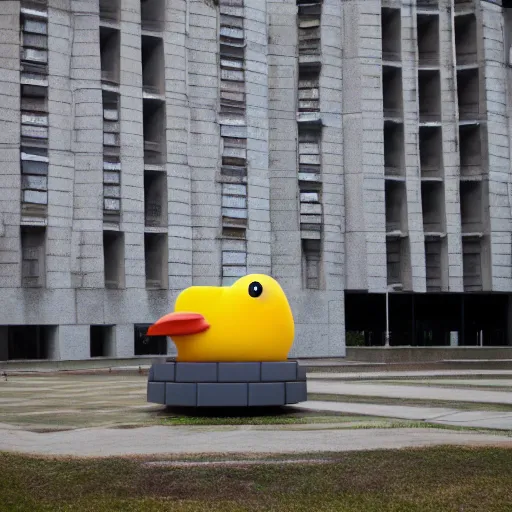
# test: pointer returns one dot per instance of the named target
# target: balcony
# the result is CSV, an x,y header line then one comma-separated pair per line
x,y
433,205
110,55
153,66
392,93
471,207
154,132
152,15
466,40
429,92
394,150
434,249
428,41
155,199
391,35
468,92
396,208
470,152
431,152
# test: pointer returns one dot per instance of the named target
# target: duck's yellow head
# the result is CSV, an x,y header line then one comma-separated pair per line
x,y
250,320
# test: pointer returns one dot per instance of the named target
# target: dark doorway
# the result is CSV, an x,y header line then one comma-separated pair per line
x,y
30,341
365,317
485,319
148,345
102,341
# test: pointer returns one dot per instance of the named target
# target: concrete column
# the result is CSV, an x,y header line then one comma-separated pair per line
x,y
132,145
497,86
124,340
331,107
257,103
87,138
69,33
283,161
204,142
415,263
179,190
363,131
450,131
73,342
10,180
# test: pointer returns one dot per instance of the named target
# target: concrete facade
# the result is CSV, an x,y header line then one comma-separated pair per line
x,y
161,63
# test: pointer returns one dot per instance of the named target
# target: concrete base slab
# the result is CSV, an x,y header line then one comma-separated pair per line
x,y
180,440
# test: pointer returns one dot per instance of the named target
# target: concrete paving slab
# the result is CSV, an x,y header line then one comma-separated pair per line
x,y
491,383
410,392
494,423
178,440
480,419
412,373
386,411
444,416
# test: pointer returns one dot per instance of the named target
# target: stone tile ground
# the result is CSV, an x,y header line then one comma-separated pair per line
x,y
73,401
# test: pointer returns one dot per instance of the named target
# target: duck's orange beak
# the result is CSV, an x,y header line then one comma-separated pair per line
x,y
178,324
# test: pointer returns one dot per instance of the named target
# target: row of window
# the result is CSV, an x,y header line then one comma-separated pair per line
x,y
310,140
40,342
34,107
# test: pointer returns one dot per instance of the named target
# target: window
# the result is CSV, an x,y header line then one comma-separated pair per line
x,y
33,256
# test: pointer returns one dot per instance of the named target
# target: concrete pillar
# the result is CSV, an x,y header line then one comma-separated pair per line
x,y
204,142
124,340
495,30
132,145
450,134
331,107
257,103
10,180
179,187
415,262
73,342
365,260
86,172
282,96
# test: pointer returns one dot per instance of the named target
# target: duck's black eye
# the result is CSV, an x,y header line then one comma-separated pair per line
x,y
255,289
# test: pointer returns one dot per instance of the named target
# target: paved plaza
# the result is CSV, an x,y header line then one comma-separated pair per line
x,y
107,414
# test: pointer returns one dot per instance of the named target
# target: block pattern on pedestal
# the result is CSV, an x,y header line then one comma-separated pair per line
x,y
227,384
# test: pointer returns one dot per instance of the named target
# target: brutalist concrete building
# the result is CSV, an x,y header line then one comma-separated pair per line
x,y
353,149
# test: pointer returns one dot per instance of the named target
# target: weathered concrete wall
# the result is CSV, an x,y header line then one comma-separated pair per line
x,y
363,142
10,118
352,144
496,83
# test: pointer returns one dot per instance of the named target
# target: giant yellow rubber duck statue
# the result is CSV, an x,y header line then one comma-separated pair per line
x,y
250,320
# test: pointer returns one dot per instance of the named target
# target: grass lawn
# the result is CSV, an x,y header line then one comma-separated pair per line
x,y
259,416
434,479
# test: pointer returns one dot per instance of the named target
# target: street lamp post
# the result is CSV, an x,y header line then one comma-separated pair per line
x,y
386,338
